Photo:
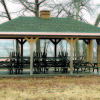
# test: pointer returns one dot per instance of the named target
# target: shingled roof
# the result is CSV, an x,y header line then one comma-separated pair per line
x,y
33,24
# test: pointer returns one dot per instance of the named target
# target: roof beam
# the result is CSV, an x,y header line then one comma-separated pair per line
x,y
48,37
69,40
31,40
87,41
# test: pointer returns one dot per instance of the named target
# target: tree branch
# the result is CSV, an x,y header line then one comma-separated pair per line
x,y
27,7
5,7
97,20
41,2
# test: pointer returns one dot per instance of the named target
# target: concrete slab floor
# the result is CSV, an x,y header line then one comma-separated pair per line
x,y
50,73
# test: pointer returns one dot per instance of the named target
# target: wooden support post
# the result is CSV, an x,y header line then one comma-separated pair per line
x,y
98,52
17,46
21,47
31,58
55,48
77,50
55,42
71,41
31,41
89,52
21,43
38,46
21,55
55,54
88,48
98,55
71,57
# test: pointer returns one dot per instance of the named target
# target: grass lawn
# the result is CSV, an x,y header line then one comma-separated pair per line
x,y
52,88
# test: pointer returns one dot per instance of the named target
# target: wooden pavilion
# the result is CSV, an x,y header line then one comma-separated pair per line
x,y
55,29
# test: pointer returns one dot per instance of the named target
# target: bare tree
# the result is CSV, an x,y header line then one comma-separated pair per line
x,y
72,9
6,10
76,7
97,20
84,46
34,8
6,13
31,7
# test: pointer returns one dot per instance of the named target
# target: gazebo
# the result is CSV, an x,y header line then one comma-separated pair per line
x,y
32,28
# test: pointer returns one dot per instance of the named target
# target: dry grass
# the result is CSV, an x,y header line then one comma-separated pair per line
x,y
56,88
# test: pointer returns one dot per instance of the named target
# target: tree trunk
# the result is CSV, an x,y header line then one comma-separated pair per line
x,y
37,15
97,20
7,12
77,42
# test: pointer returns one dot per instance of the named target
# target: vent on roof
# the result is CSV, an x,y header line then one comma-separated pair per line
x,y
45,14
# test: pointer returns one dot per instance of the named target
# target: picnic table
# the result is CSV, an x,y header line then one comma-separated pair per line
x,y
42,63
49,62
84,65
95,66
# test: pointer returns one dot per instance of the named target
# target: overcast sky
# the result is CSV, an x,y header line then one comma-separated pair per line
x,y
15,7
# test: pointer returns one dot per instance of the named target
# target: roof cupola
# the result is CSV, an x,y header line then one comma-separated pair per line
x,y
45,14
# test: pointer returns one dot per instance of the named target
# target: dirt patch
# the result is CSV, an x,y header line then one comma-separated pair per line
x,y
50,88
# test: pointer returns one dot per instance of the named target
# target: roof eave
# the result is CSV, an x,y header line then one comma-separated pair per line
x,y
50,34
